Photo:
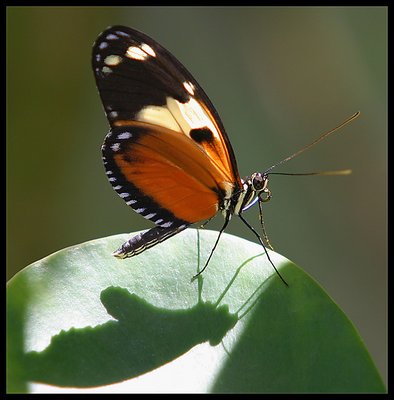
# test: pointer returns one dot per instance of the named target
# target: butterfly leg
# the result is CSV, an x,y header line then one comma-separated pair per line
x,y
262,243
227,219
145,240
265,236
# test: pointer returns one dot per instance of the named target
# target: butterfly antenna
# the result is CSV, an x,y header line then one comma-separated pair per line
x,y
319,139
328,173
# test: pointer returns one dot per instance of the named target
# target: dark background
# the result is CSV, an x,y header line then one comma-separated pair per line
x,y
279,77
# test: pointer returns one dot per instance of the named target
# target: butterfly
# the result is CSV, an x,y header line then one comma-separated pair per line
x,y
167,154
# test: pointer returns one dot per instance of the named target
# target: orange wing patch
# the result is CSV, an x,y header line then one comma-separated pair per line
x,y
174,172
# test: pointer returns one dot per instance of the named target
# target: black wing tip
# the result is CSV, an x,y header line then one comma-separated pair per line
x,y
123,33
132,32
114,28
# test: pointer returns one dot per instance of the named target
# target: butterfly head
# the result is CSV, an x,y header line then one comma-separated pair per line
x,y
259,183
255,188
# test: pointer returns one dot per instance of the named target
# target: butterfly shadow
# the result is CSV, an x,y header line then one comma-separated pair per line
x,y
140,338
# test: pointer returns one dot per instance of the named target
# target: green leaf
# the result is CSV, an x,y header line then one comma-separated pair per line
x,y
81,318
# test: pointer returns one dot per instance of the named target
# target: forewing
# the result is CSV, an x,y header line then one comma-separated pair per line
x,y
140,81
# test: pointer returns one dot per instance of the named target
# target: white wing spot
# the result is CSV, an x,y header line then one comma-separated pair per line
x,y
112,60
124,135
115,146
148,49
130,202
103,45
113,114
106,70
111,36
167,224
136,53
140,53
121,33
124,195
149,216
140,210
189,87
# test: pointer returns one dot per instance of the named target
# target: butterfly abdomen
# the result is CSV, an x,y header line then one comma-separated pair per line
x,y
137,244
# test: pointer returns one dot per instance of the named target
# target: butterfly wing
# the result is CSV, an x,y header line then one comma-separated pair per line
x,y
161,174
167,154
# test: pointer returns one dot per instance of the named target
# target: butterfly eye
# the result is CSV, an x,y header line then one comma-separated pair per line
x,y
260,186
259,182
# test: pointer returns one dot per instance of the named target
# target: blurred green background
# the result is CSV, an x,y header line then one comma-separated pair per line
x,y
279,77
